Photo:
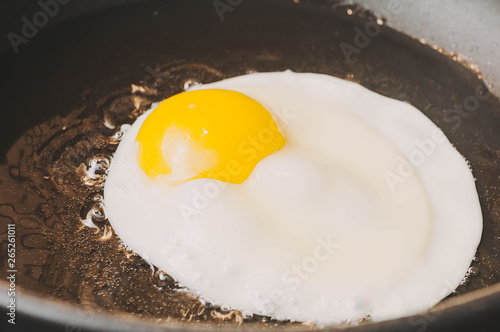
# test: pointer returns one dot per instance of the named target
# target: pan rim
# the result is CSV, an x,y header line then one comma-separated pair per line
x,y
57,311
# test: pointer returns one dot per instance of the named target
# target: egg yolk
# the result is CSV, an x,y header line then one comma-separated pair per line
x,y
212,133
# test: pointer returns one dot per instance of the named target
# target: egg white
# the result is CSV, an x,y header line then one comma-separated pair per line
x,y
341,223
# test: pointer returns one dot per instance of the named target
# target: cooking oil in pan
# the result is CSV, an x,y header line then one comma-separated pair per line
x,y
52,186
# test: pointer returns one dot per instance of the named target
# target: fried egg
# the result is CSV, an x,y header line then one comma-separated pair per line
x,y
297,196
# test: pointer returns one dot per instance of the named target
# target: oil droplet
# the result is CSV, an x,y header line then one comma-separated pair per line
x,y
88,222
189,84
160,278
349,12
108,123
95,215
121,246
129,254
97,212
107,233
37,130
473,271
205,301
225,308
14,171
98,166
200,311
29,139
246,315
118,135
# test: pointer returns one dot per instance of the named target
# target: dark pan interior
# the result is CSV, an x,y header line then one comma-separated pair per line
x,y
62,87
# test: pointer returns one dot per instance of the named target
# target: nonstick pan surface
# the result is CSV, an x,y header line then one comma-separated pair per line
x,y
66,93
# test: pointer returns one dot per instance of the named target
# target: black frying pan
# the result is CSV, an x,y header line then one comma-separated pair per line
x,y
67,91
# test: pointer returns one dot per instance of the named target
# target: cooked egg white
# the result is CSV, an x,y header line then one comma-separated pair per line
x,y
354,204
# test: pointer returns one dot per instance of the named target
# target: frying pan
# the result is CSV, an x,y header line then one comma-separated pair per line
x,y
93,66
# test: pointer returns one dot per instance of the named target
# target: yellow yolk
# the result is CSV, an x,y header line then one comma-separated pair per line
x,y
213,133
